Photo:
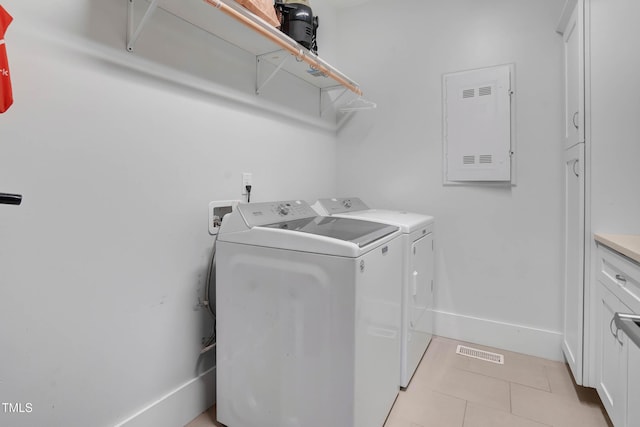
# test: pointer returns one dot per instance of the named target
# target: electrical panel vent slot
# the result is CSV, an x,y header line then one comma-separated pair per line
x,y
484,91
468,93
486,159
469,160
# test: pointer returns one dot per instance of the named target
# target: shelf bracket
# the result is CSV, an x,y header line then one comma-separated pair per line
x,y
345,116
133,34
323,91
272,75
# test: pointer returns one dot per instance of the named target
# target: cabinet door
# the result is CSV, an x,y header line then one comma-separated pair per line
x,y
633,387
572,344
573,36
611,378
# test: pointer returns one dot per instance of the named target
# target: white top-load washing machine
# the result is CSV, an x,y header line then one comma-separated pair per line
x,y
307,318
418,260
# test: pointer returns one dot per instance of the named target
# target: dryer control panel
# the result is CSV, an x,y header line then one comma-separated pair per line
x,y
342,205
256,214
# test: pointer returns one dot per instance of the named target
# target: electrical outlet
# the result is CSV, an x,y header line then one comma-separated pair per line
x,y
217,210
246,180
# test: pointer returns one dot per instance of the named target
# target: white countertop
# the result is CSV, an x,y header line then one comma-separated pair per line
x,y
626,244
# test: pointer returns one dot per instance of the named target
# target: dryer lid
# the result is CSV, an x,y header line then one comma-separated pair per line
x,y
408,222
360,232
355,208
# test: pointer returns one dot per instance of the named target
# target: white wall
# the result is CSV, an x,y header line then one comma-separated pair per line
x,y
615,108
499,249
102,265
613,131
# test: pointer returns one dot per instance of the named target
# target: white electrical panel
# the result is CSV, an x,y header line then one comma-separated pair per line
x,y
477,125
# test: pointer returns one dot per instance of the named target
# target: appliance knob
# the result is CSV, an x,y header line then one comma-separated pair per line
x,y
347,203
283,210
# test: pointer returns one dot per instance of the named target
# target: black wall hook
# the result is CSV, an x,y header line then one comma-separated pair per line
x,y
10,199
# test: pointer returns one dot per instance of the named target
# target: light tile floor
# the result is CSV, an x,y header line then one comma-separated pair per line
x,y
449,390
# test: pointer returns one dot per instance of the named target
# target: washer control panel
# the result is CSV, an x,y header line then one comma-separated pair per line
x,y
256,214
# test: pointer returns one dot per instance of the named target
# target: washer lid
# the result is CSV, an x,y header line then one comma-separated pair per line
x,y
351,230
294,225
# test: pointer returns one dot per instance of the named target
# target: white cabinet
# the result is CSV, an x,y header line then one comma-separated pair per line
x,y
572,343
617,357
573,36
633,386
575,343
611,357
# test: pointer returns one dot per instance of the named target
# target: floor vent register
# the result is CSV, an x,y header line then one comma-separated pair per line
x,y
480,354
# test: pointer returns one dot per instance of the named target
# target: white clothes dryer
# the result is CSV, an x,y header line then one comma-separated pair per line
x,y
417,279
307,318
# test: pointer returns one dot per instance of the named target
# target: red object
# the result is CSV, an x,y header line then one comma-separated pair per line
x,y
6,95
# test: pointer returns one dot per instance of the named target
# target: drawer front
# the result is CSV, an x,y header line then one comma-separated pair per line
x,y
621,276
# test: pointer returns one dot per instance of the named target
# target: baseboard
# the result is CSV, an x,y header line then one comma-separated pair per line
x,y
506,336
179,406
183,404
